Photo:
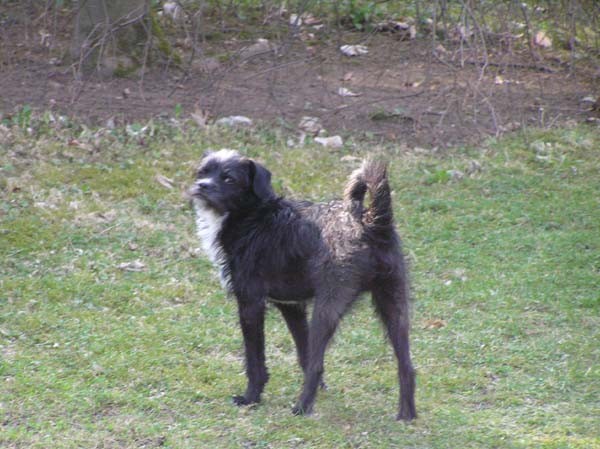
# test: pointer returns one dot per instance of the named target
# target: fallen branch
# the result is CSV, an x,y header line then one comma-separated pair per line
x,y
514,65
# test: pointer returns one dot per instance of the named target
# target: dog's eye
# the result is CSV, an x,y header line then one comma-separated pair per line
x,y
201,172
228,179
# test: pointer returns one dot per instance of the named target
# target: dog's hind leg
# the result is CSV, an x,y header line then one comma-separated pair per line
x,y
326,315
295,318
252,320
390,297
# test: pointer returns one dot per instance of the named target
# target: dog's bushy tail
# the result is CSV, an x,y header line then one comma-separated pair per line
x,y
371,177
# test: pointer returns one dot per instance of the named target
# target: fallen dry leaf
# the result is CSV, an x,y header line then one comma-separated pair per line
x,y
441,49
350,158
588,99
330,142
164,181
434,324
200,116
412,32
347,76
310,20
304,19
44,38
136,266
542,40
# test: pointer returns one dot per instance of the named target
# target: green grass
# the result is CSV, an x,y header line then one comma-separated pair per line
x,y
505,266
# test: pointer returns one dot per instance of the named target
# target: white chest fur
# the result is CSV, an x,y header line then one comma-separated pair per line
x,y
208,226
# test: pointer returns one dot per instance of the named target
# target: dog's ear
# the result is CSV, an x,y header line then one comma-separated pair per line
x,y
260,178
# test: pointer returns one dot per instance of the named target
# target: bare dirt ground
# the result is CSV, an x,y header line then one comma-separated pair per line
x,y
406,91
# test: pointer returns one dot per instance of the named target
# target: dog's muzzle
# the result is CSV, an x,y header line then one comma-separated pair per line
x,y
200,189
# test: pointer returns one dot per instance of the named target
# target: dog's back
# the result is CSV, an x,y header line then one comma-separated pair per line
x,y
377,219
357,234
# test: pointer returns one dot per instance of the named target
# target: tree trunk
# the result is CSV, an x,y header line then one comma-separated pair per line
x,y
109,34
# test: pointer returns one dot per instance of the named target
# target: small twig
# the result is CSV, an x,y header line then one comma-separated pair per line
x,y
377,100
147,47
279,66
110,228
481,37
534,54
516,65
493,114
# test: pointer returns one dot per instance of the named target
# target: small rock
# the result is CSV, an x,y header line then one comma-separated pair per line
x,y
259,47
311,125
206,65
343,92
474,167
172,10
234,120
330,142
354,50
295,20
456,174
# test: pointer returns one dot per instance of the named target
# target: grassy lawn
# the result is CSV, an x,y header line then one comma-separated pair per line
x,y
115,333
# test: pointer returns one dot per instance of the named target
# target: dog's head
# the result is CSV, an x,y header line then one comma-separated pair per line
x,y
227,181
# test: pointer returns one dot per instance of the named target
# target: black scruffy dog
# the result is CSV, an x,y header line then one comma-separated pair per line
x,y
270,249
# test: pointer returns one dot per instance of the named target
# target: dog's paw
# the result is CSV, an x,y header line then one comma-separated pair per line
x,y
406,415
242,400
298,410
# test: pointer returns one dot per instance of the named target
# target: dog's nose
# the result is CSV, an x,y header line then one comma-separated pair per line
x,y
204,185
200,187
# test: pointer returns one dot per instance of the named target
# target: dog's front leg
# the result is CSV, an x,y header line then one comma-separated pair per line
x,y
252,319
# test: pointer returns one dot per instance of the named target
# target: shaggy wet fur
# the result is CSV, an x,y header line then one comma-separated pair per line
x,y
289,253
